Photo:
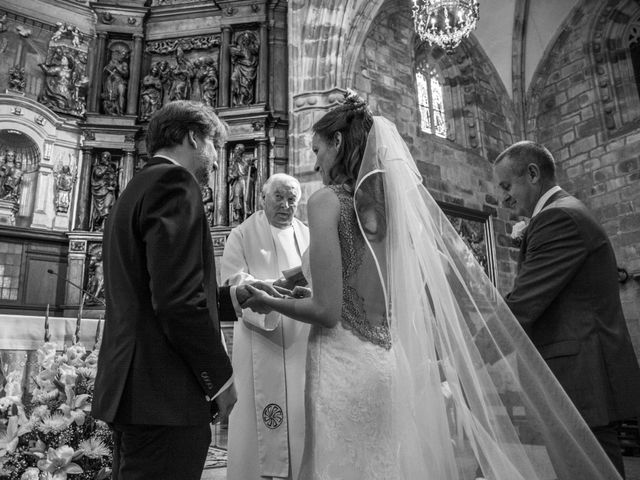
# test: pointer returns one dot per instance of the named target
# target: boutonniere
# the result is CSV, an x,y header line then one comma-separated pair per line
x,y
518,230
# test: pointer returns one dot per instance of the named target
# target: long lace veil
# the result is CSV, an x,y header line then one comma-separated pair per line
x,y
470,390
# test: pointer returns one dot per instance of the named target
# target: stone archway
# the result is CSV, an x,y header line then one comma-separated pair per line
x,y
325,37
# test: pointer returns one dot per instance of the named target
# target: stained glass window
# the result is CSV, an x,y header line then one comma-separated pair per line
x,y
430,102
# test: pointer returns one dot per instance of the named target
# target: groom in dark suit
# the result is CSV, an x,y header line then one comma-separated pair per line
x,y
566,294
162,368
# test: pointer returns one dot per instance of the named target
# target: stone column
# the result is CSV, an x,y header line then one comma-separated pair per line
x,y
83,210
135,64
263,65
96,83
127,168
224,69
263,166
221,216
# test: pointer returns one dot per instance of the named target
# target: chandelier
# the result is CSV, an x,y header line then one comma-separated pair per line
x,y
445,22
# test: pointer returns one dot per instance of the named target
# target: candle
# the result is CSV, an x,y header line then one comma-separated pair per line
x,y
97,339
76,335
47,335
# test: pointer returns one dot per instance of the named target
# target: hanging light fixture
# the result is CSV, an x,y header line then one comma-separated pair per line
x,y
445,22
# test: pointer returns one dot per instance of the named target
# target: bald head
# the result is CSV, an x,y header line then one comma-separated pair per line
x,y
281,194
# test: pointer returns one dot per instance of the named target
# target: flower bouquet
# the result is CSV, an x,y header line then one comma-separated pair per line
x,y
48,433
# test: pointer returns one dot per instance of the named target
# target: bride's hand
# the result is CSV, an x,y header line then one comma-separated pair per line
x,y
259,299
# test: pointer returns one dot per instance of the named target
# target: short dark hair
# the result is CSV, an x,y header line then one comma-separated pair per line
x,y
353,120
525,152
169,125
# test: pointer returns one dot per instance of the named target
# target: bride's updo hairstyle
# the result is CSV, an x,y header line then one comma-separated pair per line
x,y
353,120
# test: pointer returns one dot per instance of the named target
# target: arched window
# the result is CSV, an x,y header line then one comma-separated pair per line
x,y
430,101
633,43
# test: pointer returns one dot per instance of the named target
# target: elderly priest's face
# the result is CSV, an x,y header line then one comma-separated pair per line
x,y
281,202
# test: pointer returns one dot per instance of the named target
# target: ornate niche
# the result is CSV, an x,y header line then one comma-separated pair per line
x,y
242,169
104,188
244,55
115,78
180,69
19,164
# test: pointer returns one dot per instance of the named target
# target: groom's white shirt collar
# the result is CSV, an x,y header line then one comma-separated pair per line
x,y
543,199
168,158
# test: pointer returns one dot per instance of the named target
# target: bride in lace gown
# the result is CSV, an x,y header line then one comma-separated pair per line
x,y
416,368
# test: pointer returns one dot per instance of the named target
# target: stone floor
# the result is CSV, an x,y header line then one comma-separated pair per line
x,y
632,466
219,438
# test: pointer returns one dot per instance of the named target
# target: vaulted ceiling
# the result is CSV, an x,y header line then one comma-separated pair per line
x,y
526,25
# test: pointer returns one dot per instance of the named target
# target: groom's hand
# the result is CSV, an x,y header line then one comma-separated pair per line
x,y
225,402
244,295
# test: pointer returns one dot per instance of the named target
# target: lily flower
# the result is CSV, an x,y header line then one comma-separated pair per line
x,y
58,463
9,439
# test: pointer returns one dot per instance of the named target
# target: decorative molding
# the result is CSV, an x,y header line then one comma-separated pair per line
x,y
78,246
191,43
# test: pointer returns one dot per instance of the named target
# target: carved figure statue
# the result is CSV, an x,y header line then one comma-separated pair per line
x,y
4,170
16,78
64,180
244,63
208,78
207,200
240,185
58,90
114,93
95,282
103,190
182,75
151,94
13,180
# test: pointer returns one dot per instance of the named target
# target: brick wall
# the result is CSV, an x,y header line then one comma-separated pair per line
x,y
460,171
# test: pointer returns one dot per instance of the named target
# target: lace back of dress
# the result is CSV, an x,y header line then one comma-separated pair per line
x,y
363,307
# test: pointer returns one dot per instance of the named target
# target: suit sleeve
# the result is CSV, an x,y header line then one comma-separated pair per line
x,y
173,232
555,252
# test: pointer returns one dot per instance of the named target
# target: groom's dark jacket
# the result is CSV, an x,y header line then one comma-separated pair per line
x,y
161,352
566,296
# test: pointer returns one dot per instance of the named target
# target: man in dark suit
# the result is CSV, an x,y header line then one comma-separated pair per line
x,y
566,294
162,367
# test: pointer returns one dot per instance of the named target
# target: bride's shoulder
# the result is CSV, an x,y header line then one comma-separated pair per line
x,y
324,196
324,200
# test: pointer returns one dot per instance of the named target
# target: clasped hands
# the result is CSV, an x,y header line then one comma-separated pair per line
x,y
257,295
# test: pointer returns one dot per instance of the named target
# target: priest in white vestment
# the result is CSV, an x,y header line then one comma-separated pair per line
x,y
266,427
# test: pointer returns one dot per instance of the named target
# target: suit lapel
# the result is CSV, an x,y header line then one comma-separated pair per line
x,y
523,245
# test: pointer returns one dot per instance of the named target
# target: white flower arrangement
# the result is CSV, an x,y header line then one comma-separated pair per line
x,y
48,434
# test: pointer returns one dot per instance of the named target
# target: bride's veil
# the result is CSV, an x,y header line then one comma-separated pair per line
x,y
470,390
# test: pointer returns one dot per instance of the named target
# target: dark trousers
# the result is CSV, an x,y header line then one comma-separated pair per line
x,y
153,452
607,436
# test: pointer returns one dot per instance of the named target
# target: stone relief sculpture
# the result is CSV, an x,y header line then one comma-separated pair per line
x,y
4,170
151,93
208,78
58,86
11,187
207,200
241,185
64,179
104,184
244,63
16,78
95,280
182,75
65,82
114,91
